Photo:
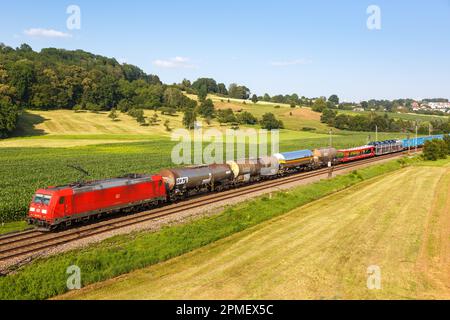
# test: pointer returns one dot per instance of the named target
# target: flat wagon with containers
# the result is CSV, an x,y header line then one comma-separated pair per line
x,y
64,205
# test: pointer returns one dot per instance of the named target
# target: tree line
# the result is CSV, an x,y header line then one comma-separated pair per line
x,y
384,123
79,80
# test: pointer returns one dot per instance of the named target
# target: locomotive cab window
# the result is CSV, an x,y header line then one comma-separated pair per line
x,y
61,200
42,199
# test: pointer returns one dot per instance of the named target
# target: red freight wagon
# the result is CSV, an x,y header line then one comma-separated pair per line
x,y
73,203
358,153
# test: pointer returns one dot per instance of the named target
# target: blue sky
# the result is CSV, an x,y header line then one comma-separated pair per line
x,y
312,48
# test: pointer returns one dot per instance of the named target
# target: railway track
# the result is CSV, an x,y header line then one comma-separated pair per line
x,y
26,243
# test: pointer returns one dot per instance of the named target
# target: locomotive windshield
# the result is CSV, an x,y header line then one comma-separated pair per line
x,y
42,199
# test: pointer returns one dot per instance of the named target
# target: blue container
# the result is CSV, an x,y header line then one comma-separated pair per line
x,y
420,141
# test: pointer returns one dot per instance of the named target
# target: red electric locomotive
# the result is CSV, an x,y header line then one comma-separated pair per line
x,y
64,205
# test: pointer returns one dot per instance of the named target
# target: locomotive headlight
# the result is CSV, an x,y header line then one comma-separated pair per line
x,y
32,209
44,211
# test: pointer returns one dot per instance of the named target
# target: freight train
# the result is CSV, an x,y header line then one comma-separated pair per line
x,y
63,206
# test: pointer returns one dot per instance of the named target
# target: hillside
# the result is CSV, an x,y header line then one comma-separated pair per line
x,y
398,222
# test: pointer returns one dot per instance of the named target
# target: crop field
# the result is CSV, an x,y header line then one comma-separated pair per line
x,y
398,222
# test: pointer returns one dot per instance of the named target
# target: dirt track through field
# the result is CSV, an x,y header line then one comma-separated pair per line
x,y
399,222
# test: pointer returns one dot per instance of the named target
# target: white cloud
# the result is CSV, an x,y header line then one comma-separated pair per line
x,y
46,33
177,62
290,62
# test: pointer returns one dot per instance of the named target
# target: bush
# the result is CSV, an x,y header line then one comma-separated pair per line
x,y
435,149
78,108
226,116
246,117
270,122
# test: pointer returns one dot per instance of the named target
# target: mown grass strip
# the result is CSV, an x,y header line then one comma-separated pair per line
x,y
47,277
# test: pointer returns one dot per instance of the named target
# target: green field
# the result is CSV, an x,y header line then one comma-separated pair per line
x,y
399,222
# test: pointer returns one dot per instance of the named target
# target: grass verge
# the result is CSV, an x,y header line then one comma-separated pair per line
x,y
47,277
13,227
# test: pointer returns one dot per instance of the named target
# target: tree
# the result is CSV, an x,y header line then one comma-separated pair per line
x,y
294,98
173,98
226,116
447,142
22,78
328,116
92,107
132,73
206,84
206,108
189,119
9,114
246,118
202,94
138,114
124,105
222,89
254,98
186,84
140,118
238,92
154,119
435,149
364,105
334,99
78,108
113,114
266,97
270,122
167,125
149,97
319,105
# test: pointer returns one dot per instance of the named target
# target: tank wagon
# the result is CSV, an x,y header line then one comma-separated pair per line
x,y
249,170
182,181
295,160
323,156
